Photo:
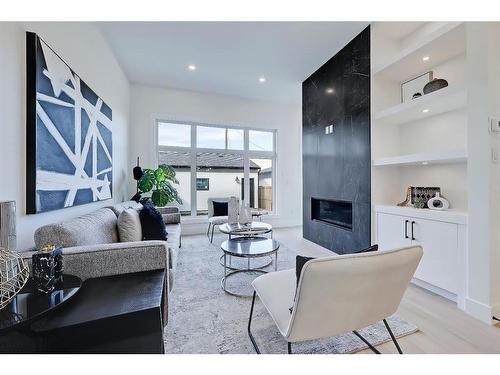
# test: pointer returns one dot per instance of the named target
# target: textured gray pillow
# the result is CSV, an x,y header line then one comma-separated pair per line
x,y
129,226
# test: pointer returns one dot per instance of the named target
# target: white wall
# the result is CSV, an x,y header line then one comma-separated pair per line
x,y
148,103
483,288
84,49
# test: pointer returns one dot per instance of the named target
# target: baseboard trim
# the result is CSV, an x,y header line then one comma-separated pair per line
x,y
495,311
480,310
434,289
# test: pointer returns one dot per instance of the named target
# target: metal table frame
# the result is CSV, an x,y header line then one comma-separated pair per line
x,y
245,270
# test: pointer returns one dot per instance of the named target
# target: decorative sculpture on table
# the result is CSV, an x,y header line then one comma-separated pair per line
x,y
69,134
48,268
245,216
14,272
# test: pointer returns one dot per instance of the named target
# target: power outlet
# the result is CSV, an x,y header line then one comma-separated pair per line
x,y
494,125
494,155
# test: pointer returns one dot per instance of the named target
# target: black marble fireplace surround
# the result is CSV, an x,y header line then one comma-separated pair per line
x,y
336,149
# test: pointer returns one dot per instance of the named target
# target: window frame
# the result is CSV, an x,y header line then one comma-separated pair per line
x,y
246,152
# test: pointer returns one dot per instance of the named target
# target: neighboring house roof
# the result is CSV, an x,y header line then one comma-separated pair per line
x,y
266,170
204,160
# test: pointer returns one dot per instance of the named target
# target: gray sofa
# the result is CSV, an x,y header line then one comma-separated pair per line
x,y
92,248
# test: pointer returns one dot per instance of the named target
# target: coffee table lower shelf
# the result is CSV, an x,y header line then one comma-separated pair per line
x,y
249,248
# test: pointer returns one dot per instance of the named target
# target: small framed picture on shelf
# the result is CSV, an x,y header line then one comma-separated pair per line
x,y
414,88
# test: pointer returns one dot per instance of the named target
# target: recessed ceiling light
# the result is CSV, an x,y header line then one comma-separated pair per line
x,y
425,58
425,162
192,67
425,110
329,90
262,79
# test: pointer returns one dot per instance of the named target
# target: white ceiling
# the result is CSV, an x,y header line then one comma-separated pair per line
x,y
229,56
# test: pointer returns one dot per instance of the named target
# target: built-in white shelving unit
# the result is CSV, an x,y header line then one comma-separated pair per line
x,y
448,99
442,42
425,138
421,142
423,159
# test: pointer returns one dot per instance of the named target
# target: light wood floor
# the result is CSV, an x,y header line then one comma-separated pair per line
x,y
443,327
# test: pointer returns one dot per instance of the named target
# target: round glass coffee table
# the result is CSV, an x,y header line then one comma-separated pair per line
x,y
255,228
249,248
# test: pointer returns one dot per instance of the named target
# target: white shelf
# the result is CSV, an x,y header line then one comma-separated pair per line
x,y
441,45
437,102
450,216
439,157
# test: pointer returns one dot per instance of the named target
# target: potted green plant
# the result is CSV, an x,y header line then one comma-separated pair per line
x,y
160,182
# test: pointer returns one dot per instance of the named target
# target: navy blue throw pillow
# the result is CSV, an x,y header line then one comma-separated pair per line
x,y
220,208
367,250
153,227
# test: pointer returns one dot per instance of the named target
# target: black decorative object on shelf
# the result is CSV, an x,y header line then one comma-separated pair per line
x,y
416,95
420,195
434,85
44,266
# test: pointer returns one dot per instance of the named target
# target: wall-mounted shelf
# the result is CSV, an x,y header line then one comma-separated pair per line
x,y
443,44
450,216
425,158
440,101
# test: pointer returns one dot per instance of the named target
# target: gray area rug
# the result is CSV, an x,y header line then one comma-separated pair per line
x,y
205,320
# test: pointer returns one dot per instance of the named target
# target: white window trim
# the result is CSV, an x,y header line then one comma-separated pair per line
x,y
246,152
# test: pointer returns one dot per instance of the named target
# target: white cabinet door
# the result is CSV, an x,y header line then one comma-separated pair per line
x,y
393,231
440,263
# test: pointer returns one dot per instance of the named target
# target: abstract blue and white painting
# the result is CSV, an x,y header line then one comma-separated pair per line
x,y
73,156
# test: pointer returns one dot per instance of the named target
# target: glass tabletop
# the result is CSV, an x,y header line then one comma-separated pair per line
x,y
29,304
249,247
255,227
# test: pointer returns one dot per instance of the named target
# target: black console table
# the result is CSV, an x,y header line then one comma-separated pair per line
x,y
115,314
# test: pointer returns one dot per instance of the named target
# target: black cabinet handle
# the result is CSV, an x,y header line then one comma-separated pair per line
x,y
406,229
412,233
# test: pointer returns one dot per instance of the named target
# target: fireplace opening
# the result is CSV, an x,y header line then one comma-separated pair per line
x,y
338,213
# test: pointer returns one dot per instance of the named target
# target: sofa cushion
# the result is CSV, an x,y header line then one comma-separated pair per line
x,y
129,226
119,207
97,227
217,220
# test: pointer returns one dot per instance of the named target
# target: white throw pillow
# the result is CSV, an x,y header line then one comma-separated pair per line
x,y
129,226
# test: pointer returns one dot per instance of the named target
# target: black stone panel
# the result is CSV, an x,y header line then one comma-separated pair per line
x,y
337,166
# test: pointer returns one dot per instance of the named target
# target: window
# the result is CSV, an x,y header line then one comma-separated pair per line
x,y
178,135
261,141
202,184
218,162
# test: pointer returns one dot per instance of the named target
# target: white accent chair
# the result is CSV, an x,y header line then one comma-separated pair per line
x,y
337,294
213,221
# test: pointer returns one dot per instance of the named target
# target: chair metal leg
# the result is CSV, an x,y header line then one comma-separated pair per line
x,y
212,237
249,323
208,230
289,348
393,337
366,342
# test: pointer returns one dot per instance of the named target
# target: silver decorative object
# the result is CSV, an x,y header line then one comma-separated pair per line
x,y
8,225
14,273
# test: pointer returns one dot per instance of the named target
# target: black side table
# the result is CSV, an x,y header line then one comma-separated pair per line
x,y
28,306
